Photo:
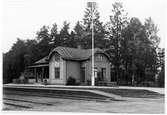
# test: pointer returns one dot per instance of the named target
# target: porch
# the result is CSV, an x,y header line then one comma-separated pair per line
x,y
39,73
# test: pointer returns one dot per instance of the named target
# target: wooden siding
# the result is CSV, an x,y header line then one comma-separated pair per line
x,y
101,61
57,61
73,70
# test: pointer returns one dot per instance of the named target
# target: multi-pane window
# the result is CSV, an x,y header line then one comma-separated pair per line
x,y
99,58
57,72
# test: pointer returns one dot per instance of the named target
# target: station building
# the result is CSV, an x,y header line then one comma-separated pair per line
x,y
64,62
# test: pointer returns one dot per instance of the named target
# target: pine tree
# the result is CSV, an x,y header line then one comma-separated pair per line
x,y
64,34
55,36
79,33
44,40
99,31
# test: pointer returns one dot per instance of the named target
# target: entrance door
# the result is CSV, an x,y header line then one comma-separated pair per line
x,y
38,77
101,77
83,75
40,73
103,73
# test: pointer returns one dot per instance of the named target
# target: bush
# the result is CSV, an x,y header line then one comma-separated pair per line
x,y
71,81
16,81
21,80
25,80
161,79
45,82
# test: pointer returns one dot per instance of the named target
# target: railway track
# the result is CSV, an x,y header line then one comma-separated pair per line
x,y
21,103
73,97
28,101
17,105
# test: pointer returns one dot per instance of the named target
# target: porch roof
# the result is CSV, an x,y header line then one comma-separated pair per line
x,y
40,65
42,61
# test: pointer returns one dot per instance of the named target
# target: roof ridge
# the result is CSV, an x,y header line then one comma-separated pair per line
x,y
76,48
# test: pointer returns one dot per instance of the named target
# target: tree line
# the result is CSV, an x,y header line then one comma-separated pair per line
x,y
131,45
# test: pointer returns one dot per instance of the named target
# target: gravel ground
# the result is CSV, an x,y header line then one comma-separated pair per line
x,y
130,105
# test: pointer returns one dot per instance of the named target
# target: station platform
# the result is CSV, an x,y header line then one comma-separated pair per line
x,y
154,89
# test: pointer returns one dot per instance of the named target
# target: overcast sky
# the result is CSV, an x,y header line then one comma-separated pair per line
x,y
23,18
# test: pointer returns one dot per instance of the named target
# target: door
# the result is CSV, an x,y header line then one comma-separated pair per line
x,y
101,77
39,77
83,75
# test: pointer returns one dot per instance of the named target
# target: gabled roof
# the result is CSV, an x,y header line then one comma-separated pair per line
x,y
75,53
70,54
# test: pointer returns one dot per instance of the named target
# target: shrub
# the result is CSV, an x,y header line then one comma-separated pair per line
x,y
45,82
71,81
16,81
161,79
25,80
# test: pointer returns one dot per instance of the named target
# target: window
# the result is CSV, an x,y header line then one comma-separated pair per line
x,y
57,72
113,75
103,70
95,72
99,57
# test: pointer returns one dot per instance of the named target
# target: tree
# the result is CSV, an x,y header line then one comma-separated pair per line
x,y
55,36
152,35
64,34
99,31
152,30
7,77
79,33
138,55
13,61
118,21
72,41
44,40
31,52
161,67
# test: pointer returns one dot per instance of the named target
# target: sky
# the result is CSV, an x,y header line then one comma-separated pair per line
x,y
23,18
